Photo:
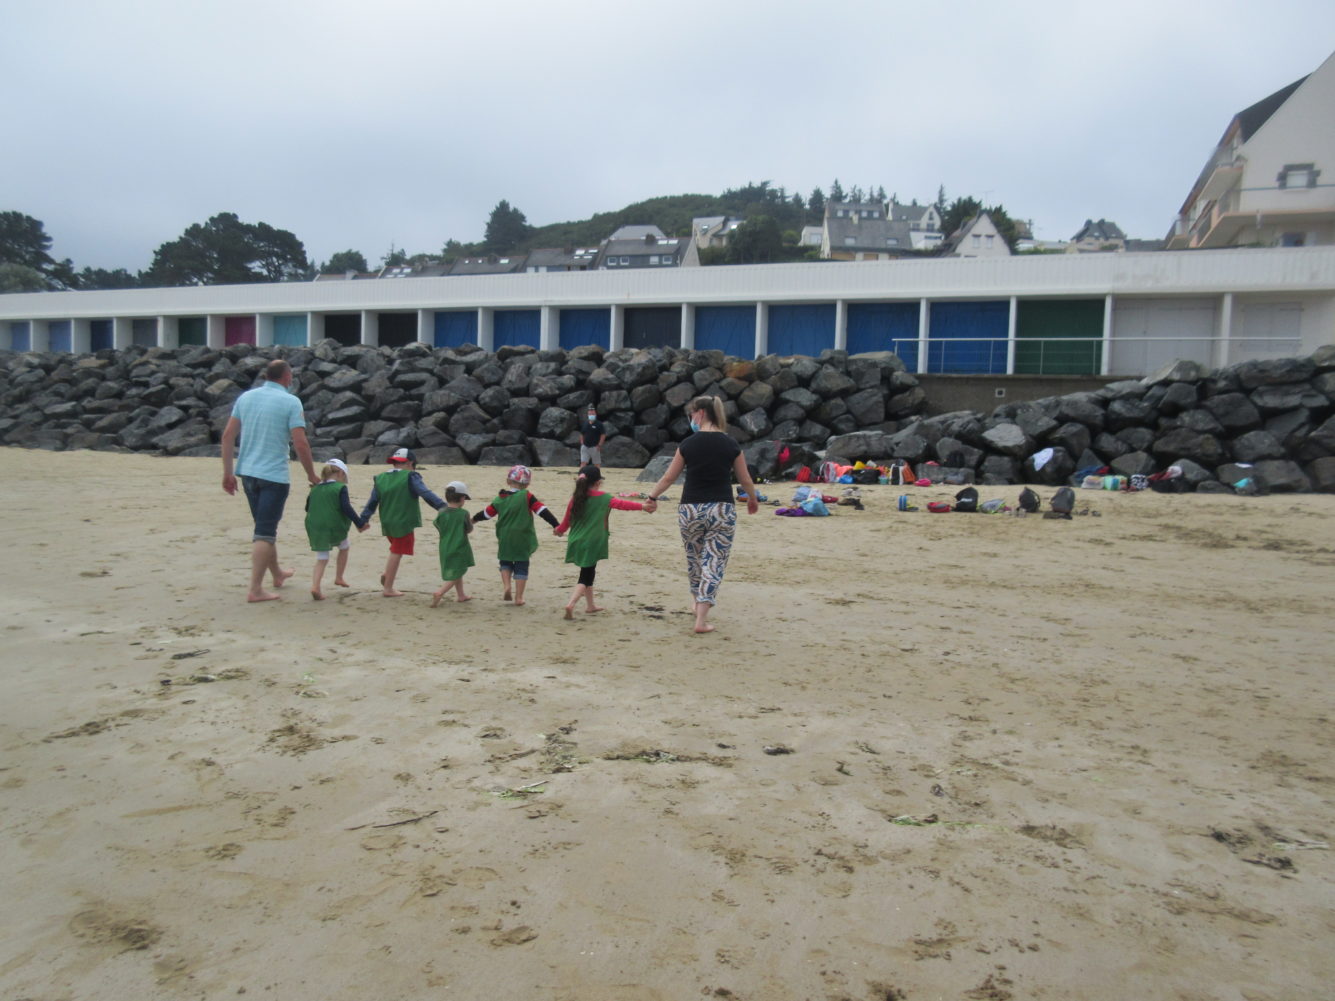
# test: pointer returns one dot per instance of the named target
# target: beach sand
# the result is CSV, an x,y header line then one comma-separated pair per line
x,y
1028,758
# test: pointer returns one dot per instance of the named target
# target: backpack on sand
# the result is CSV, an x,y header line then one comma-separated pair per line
x,y
967,500
1063,501
1029,501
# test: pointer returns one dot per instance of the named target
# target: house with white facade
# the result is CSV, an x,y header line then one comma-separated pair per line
x,y
1097,237
1270,181
924,223
978,237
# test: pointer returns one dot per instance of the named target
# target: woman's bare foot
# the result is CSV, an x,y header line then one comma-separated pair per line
x,y
436,596
263,596
595,608
704,628
570,612
465,597
341,582
281,577
519,602
317,594
387,593
507,596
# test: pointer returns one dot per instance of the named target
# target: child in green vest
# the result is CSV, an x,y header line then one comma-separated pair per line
x,y
456,553
586,520
397,494
329,514
516,541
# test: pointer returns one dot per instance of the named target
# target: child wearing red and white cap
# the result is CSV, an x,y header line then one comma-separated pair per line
x,y
397,494
516,539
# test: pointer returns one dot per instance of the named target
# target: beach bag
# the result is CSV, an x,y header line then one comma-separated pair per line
x,y
994,506
846,478
867,476
966,500
1139,482
828,472
804,475
899,473
1063,501
938,507
1029,500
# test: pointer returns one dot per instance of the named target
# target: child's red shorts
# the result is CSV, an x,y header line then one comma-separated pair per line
x,y
402,544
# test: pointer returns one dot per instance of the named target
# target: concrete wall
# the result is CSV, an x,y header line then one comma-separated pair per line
x,y
948,393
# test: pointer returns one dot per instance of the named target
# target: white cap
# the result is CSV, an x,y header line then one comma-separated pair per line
x,y
459,487
338,464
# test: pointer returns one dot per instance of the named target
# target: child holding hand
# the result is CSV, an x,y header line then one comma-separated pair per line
x,y
586,521
329,514
456,553
516,540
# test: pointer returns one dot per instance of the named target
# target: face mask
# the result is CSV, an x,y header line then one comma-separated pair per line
x,y
695,426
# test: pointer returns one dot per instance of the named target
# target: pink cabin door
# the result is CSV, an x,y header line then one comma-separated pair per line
x,y
239,330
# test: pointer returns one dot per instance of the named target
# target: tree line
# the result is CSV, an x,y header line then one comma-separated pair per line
x,y
225,250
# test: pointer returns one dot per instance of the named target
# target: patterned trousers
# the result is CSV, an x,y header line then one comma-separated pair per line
x,y
706,532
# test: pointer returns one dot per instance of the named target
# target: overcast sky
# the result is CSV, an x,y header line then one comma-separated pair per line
x,y
362,125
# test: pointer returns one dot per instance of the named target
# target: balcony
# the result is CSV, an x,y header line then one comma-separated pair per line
x,y
1222,179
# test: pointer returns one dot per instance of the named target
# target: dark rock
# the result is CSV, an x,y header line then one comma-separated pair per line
x,y
953,452
1177,397
905,404
1276,399
522,415
548,452
788,430
1205,449
1282,476
1129,412
1256,445
190,435
1176,371
757,395
1193,473
866,407
1213,487
1033,421
556,423
1133,464
624,453
1073,436
812,431
1321,472
440,455
1323,358
860,445
1084,408
1319,443
829,382
1009,439
644,397
473,444
1234,411
504,455
494,400
908,445
1136,439
1000,469
465,387
1055,472
1109,447
654,469
763,459
948,474
1274,372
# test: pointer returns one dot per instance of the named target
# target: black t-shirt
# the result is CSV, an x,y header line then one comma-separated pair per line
x,y
591,431
709,457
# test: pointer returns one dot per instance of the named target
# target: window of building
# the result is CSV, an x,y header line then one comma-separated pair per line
x,y
653,259
1298,175
1293,239
989,239
892,241
977,240
850,241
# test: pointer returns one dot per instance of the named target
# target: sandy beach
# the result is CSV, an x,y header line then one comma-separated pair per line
x,y
1025,758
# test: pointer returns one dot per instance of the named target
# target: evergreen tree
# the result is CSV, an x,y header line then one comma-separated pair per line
x,y
506,229
816,207
836,191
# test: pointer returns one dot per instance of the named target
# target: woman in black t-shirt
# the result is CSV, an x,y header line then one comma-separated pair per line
x,y
707,513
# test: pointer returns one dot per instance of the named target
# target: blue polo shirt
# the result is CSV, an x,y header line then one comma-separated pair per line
x,y
267,413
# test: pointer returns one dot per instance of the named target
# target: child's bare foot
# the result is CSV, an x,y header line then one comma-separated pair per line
x,y
465,597
436,596
341,582
594,608
706,628
519,602
263,596
281,577
507,596
570,612
387,593
317,594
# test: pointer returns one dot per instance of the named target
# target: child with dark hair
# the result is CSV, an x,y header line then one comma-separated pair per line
x,y
586,521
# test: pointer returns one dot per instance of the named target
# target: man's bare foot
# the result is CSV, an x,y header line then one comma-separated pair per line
x,y
570,612
465,597
519,602
704,628
595,608
281,577
436,596
341,582
507,596
317,594
387,593
263,596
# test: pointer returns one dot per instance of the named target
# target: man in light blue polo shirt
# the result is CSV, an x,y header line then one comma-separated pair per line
x,y
266,418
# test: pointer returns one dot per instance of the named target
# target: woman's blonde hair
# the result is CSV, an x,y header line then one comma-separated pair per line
x,y
711,405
